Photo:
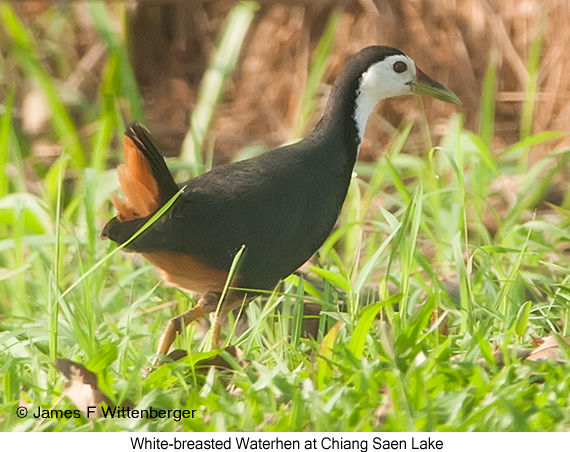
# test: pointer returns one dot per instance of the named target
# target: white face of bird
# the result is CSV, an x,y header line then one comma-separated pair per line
x,y
388,78
394,76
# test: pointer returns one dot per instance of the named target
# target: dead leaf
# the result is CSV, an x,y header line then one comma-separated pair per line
x,y
82,388
548,350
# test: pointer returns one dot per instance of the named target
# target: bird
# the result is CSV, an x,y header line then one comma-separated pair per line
x,y
278,208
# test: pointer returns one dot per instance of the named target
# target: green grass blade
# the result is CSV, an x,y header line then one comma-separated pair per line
x,y
5,135
316,74
367,316
533,65
28,58
325,355
366,270
121,72
220,69
487,106
334,278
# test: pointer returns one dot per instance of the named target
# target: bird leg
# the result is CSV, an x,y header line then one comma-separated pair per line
x,y
175,327
216,331
232,301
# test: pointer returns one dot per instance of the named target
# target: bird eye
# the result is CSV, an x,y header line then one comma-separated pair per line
x,y
400,66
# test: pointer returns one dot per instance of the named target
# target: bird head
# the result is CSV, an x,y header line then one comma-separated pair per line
x,y
396,74
381,72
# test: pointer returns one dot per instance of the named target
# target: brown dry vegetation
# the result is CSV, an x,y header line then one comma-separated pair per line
x,y
451,40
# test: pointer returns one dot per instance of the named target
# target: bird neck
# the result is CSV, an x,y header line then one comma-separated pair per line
x,y
347,111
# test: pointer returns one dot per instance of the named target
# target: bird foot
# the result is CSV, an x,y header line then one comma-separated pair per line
x,y
174,327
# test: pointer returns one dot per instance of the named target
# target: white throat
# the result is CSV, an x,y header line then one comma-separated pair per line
x,y
377,83
365,104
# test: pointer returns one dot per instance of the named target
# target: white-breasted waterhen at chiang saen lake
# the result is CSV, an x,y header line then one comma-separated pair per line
x,y
279,206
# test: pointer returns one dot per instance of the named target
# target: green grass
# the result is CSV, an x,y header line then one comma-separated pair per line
x,y
446,287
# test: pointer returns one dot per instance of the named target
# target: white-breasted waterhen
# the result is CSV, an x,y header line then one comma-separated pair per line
x,y
281,206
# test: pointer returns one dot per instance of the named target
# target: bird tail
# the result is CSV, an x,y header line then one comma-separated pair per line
x,y
145,180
